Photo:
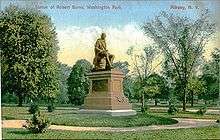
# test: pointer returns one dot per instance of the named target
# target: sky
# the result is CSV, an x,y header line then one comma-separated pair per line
x,y
80,23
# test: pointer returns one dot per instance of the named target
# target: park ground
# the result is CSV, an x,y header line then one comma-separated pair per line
x,y
68,116
178,134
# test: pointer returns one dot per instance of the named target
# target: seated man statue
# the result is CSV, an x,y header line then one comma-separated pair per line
x,y
103,59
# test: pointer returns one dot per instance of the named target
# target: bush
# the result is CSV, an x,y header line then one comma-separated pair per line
x,y
33,108
9,98
144,109
172,109
50,108
218,121
38,123
201,111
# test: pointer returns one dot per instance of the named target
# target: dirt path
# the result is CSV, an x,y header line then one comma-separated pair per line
x,y
182,123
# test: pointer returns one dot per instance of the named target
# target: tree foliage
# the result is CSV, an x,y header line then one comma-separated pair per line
x,y
143,67
78,83
195,86
182,40
123,66
156,86
143,60
211,77
64,72
29,54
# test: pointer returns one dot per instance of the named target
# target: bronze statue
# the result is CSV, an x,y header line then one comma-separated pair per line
x,y
103,59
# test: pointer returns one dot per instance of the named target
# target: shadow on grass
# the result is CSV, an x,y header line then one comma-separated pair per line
x,y
68,108
55,114
24,113
20,132
8,118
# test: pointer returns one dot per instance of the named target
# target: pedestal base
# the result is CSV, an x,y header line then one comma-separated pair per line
x,y
106,95
109,112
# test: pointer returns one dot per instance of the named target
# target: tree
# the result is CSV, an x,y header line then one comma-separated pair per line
x,y
216,61
182,41
78,82
29,54
212,88
170,78
211,77
64,72
143,67
123,66
155,87
195,86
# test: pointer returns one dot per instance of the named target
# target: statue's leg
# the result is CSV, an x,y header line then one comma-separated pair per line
x,y
102,61
108,59
97,62
111,58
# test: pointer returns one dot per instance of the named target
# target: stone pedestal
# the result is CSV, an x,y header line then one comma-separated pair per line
x,y
106,94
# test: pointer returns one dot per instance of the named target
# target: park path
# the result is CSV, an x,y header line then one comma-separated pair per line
x,y
182,123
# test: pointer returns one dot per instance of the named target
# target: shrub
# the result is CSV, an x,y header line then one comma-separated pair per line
x,y
144,109
172,109
50,108
201,111
218,121
38,123
33,108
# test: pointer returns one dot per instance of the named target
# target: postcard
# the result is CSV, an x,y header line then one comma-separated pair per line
x,y
115,69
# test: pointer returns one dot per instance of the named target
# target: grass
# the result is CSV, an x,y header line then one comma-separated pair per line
x,y
182,114
11,113
68,116
22,112
178,134
108,121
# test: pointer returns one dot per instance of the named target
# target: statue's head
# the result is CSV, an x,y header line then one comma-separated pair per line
x,y
103,36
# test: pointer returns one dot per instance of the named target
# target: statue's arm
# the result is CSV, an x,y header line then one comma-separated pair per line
x,y
97,46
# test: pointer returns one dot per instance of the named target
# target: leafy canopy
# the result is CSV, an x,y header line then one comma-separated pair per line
x,y
78,82
29,53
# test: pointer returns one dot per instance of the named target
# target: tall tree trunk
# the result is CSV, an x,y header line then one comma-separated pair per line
x,y
142,101
20,100
192,98
184,99
155,101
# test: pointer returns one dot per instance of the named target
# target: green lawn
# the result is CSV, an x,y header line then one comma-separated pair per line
x,y
22,112
178,134
193,115
181,114
105,121
68,116
179,105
